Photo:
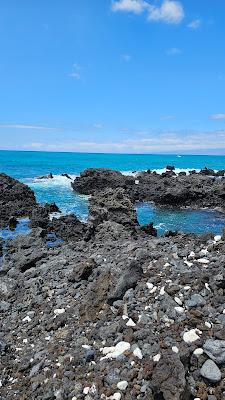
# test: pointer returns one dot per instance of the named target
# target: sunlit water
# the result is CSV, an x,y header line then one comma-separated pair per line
x,y
27,166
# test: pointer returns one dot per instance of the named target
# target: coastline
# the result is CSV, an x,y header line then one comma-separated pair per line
x,y
112,312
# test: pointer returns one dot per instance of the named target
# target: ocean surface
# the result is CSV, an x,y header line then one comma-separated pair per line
x,y
27,166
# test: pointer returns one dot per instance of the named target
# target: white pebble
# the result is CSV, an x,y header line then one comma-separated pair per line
x,y
217,238
59,311
187,287
162,291
116,351
137,353
122,385
157,357
130,322
192,254
167,265
86,390
149,285
198,351
27,319
191,336
188,263
203,261
136,182
153,290
207,287
175,349
116,396
178,301
25,341
179,310
208,324
124,317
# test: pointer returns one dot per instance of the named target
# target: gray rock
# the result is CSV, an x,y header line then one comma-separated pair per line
x,y
215,349
210,371
196,300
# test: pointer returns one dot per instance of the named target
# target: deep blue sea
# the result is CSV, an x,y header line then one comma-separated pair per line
x,y
27,166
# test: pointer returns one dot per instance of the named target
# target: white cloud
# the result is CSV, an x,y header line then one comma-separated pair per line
x,y
18,126
217,117
170,11
212,142
174,51
126,57
135,6
195,24
75,75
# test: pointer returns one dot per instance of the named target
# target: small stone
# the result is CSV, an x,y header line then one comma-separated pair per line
x,y
26,319
137,353
179,310
175,349
116,351
149,285
210,371
157,357
198,351
191,336
203,261
116,396
86,390
130,322
178,301
215,349
217,238
196,300
208,325
59,311
122,385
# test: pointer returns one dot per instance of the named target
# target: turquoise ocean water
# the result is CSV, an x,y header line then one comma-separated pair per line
x,y
27,166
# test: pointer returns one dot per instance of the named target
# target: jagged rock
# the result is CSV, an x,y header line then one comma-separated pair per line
x,y
169,377
95,179
211,372
16,200
215,349
68,227
49,176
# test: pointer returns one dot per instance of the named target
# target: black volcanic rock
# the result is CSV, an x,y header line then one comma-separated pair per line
x,y
16,199
93,179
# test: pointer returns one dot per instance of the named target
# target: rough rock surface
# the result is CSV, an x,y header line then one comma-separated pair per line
x,y
204,189
16,199
113,313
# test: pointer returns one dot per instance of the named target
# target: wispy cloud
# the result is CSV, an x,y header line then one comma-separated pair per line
x,y
157,142
173,51
195,24
98,126
19,126
76,72
126,57
167,117
170,11
219,116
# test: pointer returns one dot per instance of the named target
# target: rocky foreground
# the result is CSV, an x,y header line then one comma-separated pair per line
x,y
113,312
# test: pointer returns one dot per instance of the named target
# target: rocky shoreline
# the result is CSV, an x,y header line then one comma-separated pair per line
x,y
113,312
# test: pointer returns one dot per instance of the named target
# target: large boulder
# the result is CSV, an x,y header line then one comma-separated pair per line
x,y
95,179
67,227
16,199
112,205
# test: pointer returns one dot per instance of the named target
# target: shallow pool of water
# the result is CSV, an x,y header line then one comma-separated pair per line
x,y
186,220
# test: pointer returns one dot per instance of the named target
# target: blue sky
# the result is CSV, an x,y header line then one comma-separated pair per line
x,y
132,76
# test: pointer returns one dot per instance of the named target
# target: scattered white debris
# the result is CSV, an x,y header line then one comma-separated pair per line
x,y
59,311
124,317
178,301
162,291
47,337
153,290
179,310
187,287
203,261
167,265
157,357
122,385
86,390
85,346
149,285
217,238
191,336
207,287
198,351
224,311
192,254
208,325
136,182
175,349
116,396
137,353
25,340
130,322
27,319
116,351
188,263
